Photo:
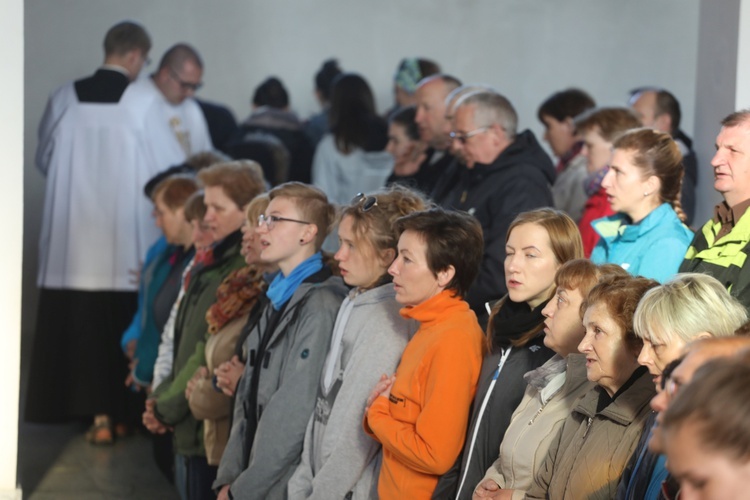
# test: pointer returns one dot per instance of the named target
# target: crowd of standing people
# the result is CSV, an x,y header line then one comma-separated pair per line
x,y
421,305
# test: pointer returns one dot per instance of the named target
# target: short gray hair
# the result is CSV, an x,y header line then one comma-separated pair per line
x,y
491,108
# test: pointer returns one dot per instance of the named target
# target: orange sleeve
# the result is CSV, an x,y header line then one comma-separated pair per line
x,y
432,443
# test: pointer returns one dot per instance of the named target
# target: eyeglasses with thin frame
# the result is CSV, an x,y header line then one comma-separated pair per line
x,y
185,85
271,220
366,202
462,138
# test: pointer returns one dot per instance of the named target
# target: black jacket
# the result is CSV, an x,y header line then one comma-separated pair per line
x,y
505,397
517,181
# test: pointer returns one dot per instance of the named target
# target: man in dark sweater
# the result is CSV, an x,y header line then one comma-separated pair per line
x,y
505,173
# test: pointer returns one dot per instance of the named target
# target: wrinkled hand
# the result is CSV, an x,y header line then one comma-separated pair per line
x,y
487,489
228,375
382,388
200,374
150,421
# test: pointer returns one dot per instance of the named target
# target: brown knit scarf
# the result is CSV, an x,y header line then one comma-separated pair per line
x,y
235,297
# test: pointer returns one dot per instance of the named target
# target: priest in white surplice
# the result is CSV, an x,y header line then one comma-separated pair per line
x,y
100,140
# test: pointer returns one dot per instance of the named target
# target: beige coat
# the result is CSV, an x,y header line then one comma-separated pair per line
x,y
205,402
536,424
586,461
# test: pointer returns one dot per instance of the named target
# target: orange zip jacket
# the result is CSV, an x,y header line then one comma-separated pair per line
x,y
422,425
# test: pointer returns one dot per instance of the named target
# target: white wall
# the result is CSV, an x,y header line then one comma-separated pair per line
x,y
526,48
11,205
717,86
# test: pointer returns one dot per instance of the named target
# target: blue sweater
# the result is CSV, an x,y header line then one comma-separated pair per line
x,y
654,248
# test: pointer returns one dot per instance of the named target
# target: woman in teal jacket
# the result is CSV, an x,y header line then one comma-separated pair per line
x,y
646,236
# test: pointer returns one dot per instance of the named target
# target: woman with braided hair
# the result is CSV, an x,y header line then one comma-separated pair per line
x,y
647,236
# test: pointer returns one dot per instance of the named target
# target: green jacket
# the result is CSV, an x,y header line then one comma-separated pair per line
x,y
191,332
724,259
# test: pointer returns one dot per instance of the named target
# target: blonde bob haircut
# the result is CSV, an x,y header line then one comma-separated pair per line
x,y
684,307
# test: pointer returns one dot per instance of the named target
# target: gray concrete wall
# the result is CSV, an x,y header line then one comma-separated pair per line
x,y
525,48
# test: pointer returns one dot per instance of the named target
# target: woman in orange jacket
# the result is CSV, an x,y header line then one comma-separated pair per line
x,y
420,414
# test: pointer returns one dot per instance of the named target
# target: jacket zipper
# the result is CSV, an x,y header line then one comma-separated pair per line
x,y
588,426
538,412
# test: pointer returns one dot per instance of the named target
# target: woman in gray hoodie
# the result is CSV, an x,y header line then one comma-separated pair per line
x,y
339,460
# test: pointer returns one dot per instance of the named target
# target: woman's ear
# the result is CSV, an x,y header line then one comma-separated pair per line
x,y
703,335
308,235
653,185
445,276
387,257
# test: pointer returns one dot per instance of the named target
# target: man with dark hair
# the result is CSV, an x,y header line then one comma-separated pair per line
x,y
659,109
96,227
721,247
505,173
557,113
271,121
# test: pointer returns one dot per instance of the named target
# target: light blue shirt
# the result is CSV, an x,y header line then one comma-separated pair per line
x,y
654,248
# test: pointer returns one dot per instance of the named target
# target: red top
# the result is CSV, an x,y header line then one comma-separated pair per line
x,y
596,207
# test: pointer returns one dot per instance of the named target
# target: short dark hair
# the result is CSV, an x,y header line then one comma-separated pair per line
x,y
178,55
324,78
175,190
406,118
620,295
452,239
126,36
737,118
610,123
271,93
567,103
666,103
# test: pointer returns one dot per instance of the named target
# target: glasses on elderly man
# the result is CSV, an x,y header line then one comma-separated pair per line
x,y
463,137
271,220
367,202
185,85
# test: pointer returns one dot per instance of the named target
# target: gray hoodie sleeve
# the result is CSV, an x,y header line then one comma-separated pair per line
x,y
350,462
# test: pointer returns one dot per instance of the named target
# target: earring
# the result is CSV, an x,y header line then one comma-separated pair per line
x,y
301,241
645,193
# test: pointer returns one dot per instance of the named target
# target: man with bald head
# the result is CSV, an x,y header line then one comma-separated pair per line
x,y
659,109
174,126
433,127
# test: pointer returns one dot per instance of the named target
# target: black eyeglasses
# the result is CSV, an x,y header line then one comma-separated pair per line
x,y
271,220
367,201
185,85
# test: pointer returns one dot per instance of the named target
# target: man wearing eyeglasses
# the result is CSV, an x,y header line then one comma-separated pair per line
x,y
505,173
173,125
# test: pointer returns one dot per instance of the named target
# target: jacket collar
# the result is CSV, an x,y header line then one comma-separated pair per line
x,y
435,308
609,228
623,410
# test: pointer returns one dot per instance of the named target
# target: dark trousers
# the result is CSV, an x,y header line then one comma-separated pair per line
x,y
200,477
